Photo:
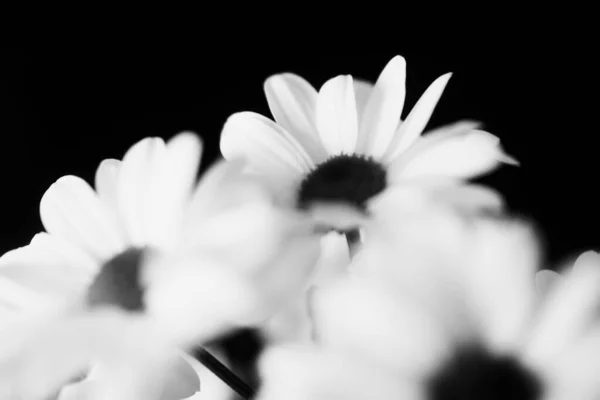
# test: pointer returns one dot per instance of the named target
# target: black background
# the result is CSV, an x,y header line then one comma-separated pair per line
x,y
64,110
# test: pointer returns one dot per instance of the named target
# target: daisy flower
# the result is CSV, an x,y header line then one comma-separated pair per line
x,y
194,259
474,331
347,143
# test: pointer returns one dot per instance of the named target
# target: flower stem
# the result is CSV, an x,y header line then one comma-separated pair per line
x,y
223,373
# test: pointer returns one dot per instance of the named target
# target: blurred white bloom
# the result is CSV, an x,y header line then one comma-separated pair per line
x,y
190,260
346,143
449,315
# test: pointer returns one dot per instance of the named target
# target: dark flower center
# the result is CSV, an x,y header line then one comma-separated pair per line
x,y
473,373
351,179
118,282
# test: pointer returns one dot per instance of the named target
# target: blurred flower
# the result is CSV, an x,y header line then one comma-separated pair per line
x,y
346,143
190,260
455,318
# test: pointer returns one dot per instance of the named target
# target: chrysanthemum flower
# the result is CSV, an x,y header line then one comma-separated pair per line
x,y
468,328
347,143
192,259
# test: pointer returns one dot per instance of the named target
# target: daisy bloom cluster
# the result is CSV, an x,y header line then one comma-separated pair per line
x,y
334,252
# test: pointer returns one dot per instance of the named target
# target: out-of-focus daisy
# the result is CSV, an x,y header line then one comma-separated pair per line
x,y
474,331
347,143
196,259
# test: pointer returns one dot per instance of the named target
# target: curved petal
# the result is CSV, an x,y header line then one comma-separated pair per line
x,y
305,373
459,156
570,307
136,173
70,209
362,93
383,327
263,143
106,182
336,115
417,119
384,109
334,260
500,274
430,140
171,189
545,280
293,103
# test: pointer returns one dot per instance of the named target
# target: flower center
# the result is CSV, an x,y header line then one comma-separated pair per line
x,y
475,374
351,179
118,282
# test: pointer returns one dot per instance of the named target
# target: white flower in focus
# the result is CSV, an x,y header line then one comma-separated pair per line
x,y
347,143
467,328
190,260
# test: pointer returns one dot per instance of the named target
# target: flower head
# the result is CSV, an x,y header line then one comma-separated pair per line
x,y
456,318
190,260
346,143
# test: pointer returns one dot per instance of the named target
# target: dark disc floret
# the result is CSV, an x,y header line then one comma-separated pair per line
x,y
474,373
118,282
346,178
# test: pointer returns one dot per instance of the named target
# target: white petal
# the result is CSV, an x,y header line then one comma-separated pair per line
x,y
362,93
263,143
570,307
296,373
371,321
412,127
545,280
181,381
465,156
106,182
431,140
337,121
578,368
171,189
17,296
70,209
500,272
217,297
64,347
334,260
382,114
136,173
293,103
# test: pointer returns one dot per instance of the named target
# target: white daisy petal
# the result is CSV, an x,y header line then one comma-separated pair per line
x,y
366,319
382,114
70,209
578,368
334,260
219,298
500,274
293,103
48,276
465,156
297,373
106,182
545,280
362,93
337,121
264,143
571,305
412,127
134,177
170,189
431,140
16,296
